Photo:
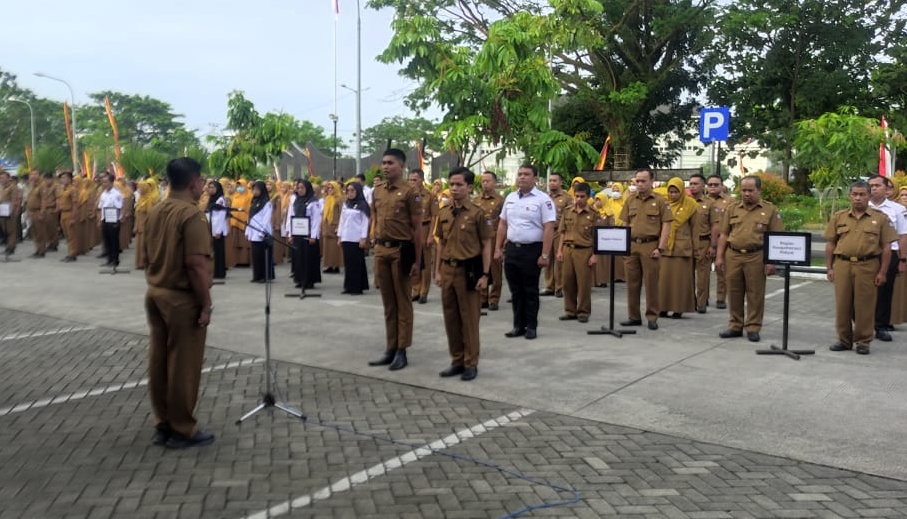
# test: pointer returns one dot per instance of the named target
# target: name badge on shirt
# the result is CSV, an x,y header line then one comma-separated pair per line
x,y
6,209
300,227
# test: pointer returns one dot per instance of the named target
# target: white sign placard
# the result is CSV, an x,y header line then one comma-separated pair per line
x,y
612,240
790,248
208,217
6,209
111,215
300,227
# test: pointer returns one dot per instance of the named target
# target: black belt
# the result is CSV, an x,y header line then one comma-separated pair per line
x,y
390,243
855,259
705,237
515,244
454,262
644,239
755,248
572,246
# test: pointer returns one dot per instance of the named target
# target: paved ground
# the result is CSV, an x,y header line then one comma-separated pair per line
x,y
674,423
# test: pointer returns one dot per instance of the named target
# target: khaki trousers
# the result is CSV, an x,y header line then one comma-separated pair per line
x,y
10,231
640,267
720,285
175,357
421,289
745,276
703,272
461,316
38,231
855,301
497,281
69,232
395,295
554,275
577,281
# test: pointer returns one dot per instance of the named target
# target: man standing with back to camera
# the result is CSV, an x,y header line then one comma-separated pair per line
x,y
178,305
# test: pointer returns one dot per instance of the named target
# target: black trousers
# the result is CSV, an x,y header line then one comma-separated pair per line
x,y
220,263
306,262
355,273
885,293
522,272
110,233
258,260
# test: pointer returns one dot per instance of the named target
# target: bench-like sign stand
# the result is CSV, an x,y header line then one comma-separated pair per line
x,y
788,249
613,242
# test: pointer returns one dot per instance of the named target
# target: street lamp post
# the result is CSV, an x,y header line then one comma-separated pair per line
x,y
358,89
334,118
32,112
358,93
75,142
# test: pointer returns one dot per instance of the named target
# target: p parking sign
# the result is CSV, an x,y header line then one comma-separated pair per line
x,y
714,123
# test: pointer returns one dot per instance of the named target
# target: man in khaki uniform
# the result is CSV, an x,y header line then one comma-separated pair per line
x,y
575,253
10,207
492,203
720,201
858,252
67,205
554,282
705,239
396,230
178,305
648,215
743,227
36,207
429,211
461,270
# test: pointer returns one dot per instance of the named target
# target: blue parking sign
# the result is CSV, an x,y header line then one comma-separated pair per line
x,y
714,123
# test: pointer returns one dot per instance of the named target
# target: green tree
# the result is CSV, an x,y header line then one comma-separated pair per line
x,y
405,132
783,61
15,120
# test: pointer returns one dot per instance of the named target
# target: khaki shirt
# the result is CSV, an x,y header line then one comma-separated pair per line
x,y
561,201
859,237
176,229
393,206
49,198
707,216
491,204
66,197
745,228
577,227
645,215
462,235
34,199
429,205
12,195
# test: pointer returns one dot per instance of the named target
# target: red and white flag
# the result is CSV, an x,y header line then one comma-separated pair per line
x,y
336,4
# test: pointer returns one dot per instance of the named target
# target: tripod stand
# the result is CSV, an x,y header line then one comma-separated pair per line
x,y
268,400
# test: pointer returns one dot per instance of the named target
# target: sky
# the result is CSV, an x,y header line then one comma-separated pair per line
x,y
192,53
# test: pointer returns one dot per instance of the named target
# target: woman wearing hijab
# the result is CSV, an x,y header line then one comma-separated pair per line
x,y
217,219
307,251
148,196
286,195
333,257
242,199
602,271
353,239
260,211
675,268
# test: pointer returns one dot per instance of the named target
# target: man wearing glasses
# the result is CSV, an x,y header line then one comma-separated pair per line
x,y
705,238
719,200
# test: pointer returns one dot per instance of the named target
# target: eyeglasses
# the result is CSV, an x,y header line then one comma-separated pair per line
x,y
713,185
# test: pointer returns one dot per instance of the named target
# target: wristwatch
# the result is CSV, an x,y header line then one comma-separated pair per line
x,y
544,256
486,274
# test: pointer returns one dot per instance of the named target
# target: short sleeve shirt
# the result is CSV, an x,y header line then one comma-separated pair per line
x,y
176,230
645,215
707,217
394,205
526,215
462,235
897,215
578,227
492,205
859,237
745,228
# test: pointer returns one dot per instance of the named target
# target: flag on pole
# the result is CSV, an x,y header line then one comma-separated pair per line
x,y
604,155
85,163
28,156
308,158
336,7
120,172
68,124
885,163
421,156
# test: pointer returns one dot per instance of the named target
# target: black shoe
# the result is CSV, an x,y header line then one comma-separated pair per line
x,y
451,371
567,317
700,310
583,318
631,322
883,336
559,293
887,328
862,349
531,334
728,334
721,305
677,315
840,346
415,298
493,307
298,285
162,433
516,332
509,301
108,264
752,336
662,314
68,259
36,255
327,271
469,373
423,300
546,293
484,305
399,360
385,359
178,441
653,325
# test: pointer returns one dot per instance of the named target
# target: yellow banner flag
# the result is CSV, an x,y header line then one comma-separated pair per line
x,y
68,125
116,137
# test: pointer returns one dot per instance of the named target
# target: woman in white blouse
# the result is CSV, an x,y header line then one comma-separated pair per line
x,y
306,250
260,220
217,219
353,238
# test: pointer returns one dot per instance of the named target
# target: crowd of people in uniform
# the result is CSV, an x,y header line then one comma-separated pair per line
x,y
469,243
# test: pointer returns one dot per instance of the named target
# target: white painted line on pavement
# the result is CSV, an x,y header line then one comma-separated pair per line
x,y
347,483
46,333
781,290
79,395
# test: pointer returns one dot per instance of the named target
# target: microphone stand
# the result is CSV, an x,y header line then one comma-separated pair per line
x,y
302,294
267,400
